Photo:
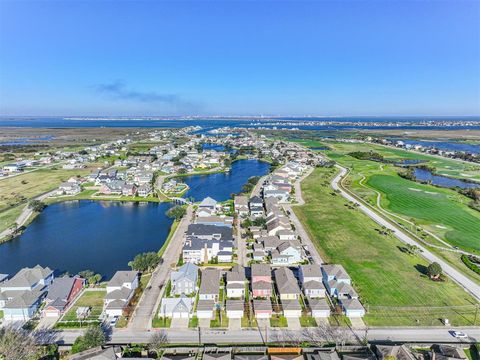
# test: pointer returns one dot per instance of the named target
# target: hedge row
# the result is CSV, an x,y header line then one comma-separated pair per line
x,y
470,264
76,324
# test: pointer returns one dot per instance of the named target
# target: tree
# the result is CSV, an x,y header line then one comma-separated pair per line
x,y
90,276
36,205
145,262
182,171
157,342
94,336
176,212
434,270
18,344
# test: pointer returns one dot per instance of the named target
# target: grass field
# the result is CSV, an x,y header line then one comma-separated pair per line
x,y
443,212
391,284
26,186
435,209
8,217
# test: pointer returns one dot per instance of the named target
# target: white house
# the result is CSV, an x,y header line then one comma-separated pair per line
x,y
205,309
291,308
319,308
176,307
352,308
120,290
235,309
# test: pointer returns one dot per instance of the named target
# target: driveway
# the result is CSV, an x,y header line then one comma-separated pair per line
x,y
47,322
178,323
294,323
204,323
234,324
357,323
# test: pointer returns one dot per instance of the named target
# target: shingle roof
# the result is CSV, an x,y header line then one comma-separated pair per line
x,y
28,277
291,305
122,277
286,281
210,281
262,304
336,271
61,288
235,305
311,271
260,270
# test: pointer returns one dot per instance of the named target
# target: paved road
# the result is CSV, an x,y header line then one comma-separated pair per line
x,y
457,276
144,312
306,240
247,336
25,214
258,186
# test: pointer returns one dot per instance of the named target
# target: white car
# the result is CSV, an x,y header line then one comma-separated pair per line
x,y
113,321
459,334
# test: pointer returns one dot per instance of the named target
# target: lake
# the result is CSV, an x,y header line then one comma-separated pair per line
x,y
442,181
443,145
219,186
105,235
77,235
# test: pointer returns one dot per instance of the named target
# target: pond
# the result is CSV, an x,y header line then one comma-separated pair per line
x,y
442,181
77,235
408,162
216,147
219,186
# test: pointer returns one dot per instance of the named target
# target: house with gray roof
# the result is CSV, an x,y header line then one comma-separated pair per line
x,y
286,284
184,280
23,305
21,296
352,308
334,275
61,293
28,279
291,308
319,308
120,290
180,308
210,285
208,203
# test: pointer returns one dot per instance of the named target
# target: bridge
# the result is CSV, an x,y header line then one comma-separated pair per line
x,y
180,201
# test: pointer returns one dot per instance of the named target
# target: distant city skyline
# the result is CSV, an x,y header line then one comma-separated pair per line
x,y
365,58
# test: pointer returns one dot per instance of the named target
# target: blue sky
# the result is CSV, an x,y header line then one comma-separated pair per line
x,y
232,57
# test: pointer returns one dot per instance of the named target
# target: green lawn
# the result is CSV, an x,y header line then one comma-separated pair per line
x,y
161,322
307,321
443,212
220,321
431,206
94,299
8,217
278,321
391,284
193,322
26,186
